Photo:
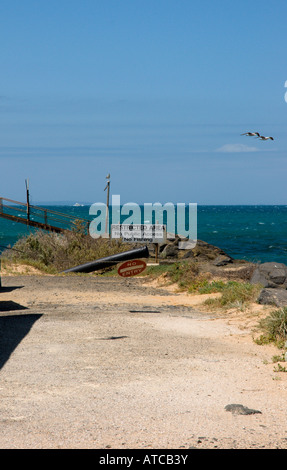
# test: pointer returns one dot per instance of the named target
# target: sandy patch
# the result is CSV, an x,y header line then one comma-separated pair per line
x,y
93,362
13,269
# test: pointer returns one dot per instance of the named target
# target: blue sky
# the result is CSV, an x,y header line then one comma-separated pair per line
x,y
155,92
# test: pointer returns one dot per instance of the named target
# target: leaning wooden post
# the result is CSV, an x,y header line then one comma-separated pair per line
x,y
107,207
28,202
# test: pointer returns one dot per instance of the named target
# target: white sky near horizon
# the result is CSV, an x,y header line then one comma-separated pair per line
x,y
156,93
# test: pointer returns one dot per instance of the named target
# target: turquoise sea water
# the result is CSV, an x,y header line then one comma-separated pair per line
x,y
255,233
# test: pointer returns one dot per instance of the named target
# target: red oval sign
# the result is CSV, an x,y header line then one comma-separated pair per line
x,y
131,268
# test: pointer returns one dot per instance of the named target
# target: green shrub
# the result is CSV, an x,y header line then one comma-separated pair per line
x,y
158,270
234,294
279,368
211,287
184,273
274,326
57,252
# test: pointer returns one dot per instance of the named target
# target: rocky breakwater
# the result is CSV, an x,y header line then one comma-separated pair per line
x,y
201,252
271,276
209,259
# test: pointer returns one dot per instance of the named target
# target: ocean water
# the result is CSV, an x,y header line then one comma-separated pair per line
x,y
254,233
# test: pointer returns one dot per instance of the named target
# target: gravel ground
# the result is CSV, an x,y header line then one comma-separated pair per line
x,y
92,362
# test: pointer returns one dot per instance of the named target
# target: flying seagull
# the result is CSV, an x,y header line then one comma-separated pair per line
x,y
251,133
261,137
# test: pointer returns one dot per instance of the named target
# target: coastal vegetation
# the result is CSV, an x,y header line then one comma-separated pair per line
x,y
238,294
187,275
235,294
52,253
274,328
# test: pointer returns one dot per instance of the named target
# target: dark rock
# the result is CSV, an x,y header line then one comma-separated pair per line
x,y
271,296
206,252
241,410
170,251
222,260
201,252
188,254
270,274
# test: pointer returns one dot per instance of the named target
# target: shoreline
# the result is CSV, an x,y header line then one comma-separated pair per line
x,y
226,223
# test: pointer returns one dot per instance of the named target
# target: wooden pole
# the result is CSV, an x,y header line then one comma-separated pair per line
x,y
28,201
156,252
108,199
156,248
